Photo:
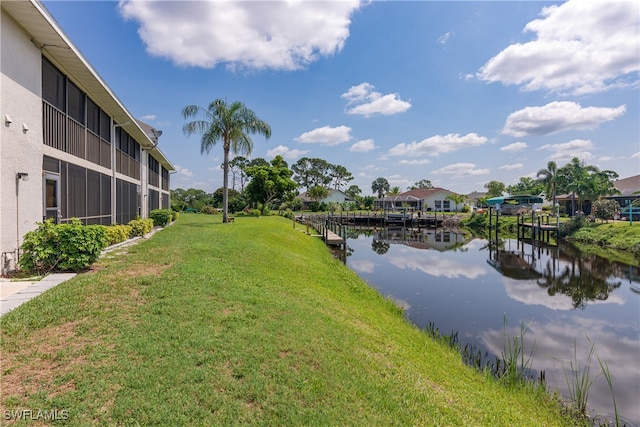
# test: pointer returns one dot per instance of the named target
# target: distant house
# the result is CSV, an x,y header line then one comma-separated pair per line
x,y
334,196
626,186
473,199
629,189
420,199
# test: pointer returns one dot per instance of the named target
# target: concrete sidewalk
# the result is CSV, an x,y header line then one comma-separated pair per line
x,y
15,293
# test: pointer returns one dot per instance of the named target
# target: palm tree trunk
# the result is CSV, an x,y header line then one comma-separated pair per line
x,y
225,185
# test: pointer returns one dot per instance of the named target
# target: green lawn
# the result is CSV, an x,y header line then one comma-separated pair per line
x,y
245,323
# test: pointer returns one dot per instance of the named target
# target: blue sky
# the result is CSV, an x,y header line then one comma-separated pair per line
x,y
457,92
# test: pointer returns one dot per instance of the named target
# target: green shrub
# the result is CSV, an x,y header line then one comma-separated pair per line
x,y
63,247
254,212
117,233
568,228
160,217
476,220
604,209
175,215
209,210
140,227
288,214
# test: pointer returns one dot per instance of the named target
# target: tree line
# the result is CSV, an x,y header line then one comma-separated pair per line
x,y
263,184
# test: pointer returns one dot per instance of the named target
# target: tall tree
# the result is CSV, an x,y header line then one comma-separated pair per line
x,y
353,191
423,183
340,176
526,185
380,186
494,188
311,172
270,182
237,167
549,177
230,123
586,181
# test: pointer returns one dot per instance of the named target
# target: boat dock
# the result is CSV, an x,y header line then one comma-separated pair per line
x,y
382,219
539,228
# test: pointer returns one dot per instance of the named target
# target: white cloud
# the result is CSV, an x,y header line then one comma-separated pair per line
x,y
286,152
363,266
326,135
439,144
564,152
516,146
557,117
580,47
635,155
415,162
514,166
461,169
183,173
436,266
245,34
443,39
371,102
149,117
363,146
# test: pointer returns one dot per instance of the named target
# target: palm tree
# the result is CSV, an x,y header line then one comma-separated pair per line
x,y
380,186
393,191
548,176
458,199
229,123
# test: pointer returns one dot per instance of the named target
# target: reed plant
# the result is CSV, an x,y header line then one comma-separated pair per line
x,y
517,364
604,366
579,379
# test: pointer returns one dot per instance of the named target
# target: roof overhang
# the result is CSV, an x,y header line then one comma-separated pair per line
x,y
47,35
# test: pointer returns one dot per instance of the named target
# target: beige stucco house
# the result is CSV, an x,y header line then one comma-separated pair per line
x,y
68,147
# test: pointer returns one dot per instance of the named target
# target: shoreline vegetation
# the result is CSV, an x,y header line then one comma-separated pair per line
x,y
245,323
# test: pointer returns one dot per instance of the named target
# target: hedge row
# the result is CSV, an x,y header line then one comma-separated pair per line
x,y
73,246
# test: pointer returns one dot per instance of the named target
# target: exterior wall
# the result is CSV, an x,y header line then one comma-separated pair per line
x,y
93,185
20,150
336,196
429,203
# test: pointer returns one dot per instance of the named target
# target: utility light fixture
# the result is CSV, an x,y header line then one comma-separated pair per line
x,y
23,176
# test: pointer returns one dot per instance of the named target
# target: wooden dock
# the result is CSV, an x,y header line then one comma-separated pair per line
x,y
328,229
539,229
331,238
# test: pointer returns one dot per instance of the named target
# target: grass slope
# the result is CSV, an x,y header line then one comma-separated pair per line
x,y
245,323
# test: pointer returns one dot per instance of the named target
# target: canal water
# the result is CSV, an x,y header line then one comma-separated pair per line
x,y
567,302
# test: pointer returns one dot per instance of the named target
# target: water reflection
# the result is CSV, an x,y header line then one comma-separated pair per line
x,y
559,271
419,238
469,285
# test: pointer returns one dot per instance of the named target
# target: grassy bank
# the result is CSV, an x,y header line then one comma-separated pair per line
x,y
244,323
616,240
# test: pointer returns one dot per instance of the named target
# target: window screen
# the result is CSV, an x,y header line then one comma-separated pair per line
x,y
75,103
93,193
93,117
52,85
